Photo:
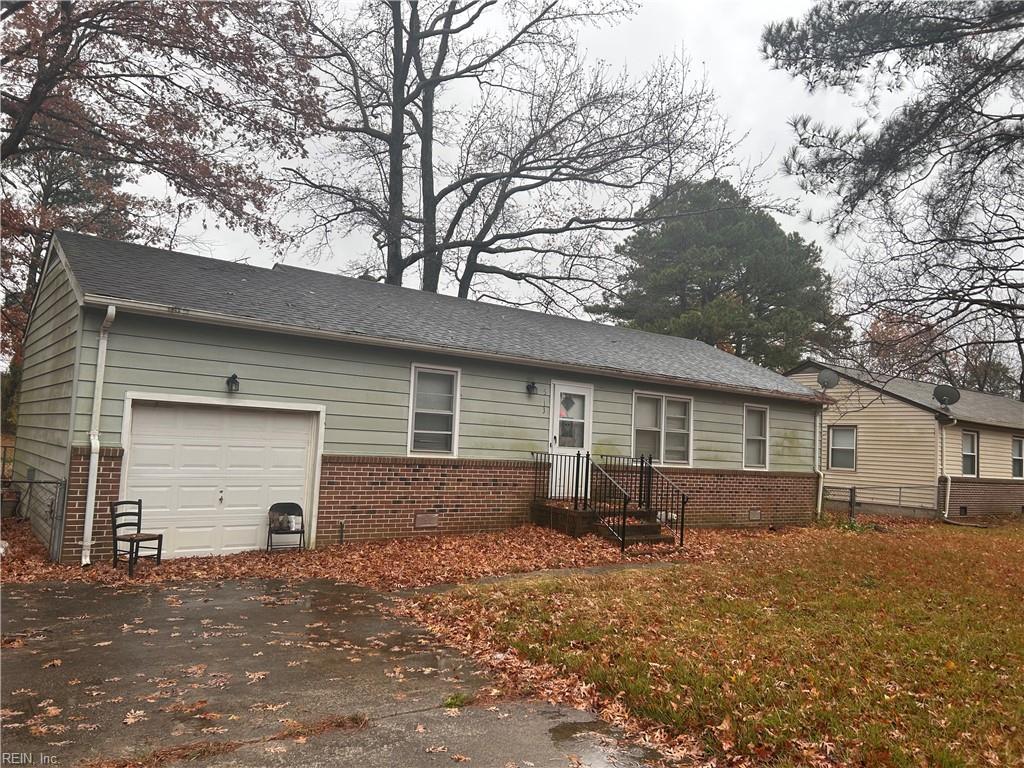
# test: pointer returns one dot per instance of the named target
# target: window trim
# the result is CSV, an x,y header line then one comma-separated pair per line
x,y
767,437
414,370
1017,440
976,454
661,462
833,468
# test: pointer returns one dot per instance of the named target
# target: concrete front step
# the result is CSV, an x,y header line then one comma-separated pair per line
x,y
648,533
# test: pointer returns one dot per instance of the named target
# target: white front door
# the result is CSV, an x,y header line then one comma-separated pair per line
x,y
207,475
571,414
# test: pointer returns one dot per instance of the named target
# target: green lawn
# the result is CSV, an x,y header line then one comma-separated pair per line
x,y
880,648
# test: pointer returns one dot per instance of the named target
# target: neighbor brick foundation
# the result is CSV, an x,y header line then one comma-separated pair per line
x,y
378,497
984,498
108,482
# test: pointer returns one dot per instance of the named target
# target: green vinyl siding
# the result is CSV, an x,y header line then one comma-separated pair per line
x,y
45,398
365,391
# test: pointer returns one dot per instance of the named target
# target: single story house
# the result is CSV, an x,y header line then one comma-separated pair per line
x,y
211,389
905,451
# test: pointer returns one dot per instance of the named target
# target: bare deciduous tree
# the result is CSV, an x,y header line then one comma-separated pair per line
x,y
474,141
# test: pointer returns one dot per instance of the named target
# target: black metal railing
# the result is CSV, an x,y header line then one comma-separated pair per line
x,y
667,501
656,495
576,480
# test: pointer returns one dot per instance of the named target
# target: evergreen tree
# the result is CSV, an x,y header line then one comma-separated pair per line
x,y
715,268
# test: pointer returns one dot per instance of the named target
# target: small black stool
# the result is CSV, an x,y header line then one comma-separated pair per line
x,y
279,524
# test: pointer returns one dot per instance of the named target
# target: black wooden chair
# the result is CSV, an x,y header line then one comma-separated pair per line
x,y
126,527
279,524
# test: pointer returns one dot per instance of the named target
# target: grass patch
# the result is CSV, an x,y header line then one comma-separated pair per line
x,y
457,699
893,648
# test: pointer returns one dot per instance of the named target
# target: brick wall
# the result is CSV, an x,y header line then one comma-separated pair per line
x,y
108,480
730,498
385,497
985,498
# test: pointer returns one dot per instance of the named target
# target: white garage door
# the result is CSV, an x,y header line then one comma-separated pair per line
x,y
207,475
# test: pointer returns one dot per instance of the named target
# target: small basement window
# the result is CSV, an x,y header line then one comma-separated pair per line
x,y
1017,457
755,437
842,447
434,410
969,454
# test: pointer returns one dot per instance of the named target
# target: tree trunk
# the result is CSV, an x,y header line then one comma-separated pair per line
x,y
431,257
396,142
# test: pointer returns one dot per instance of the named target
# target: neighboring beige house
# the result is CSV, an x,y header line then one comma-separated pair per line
x,y
901,449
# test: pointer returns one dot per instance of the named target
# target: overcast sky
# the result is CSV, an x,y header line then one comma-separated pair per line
x,y
721,37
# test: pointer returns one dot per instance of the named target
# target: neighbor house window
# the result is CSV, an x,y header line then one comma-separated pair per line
x,y
842,447
969,454
1017,456
434,408
755,437
661,428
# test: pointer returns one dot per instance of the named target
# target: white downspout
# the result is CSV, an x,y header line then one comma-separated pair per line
x,y
944,475
94,434
818,426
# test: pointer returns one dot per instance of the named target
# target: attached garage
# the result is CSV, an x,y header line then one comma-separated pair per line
x,y
208,474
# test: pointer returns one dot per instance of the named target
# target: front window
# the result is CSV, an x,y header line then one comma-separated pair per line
x,y
755,437
842,448
661,428
433,417
969,454
1017,455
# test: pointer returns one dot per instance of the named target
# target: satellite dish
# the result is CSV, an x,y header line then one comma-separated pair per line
x,y
946,395
827,378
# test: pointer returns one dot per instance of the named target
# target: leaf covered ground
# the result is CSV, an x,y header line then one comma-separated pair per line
x,y
903,647
393,564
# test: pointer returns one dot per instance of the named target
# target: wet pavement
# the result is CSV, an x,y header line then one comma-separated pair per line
x,y
270,674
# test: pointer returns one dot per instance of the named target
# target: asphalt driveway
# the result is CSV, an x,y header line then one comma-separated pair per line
x,y
255,673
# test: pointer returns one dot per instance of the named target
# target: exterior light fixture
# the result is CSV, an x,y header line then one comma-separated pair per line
x,y
531,388
232,382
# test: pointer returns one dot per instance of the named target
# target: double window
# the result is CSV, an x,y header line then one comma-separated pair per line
x,y
755,437
842,447
969,453
662,428
434,410
1017,457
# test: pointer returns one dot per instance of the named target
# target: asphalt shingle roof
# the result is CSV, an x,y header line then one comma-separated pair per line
x,y
306,299
974,407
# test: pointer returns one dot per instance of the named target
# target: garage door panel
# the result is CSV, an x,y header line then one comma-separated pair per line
x,y
237,538
193,455
153,456
207,475
245,457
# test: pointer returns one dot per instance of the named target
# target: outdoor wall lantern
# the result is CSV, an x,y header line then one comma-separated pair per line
x,y
531,388
232,382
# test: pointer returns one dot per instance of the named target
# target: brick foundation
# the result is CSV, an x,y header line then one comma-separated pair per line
x,y
732,498
985,498
377,497
386,497
108,483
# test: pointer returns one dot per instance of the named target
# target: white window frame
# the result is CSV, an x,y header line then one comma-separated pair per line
x,y
767,437
1017,454
833,468
456,406
976,454
663,396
